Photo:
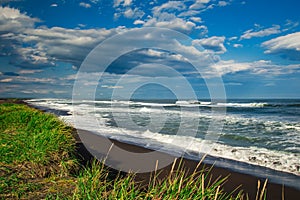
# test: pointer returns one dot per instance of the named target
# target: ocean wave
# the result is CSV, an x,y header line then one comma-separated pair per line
x,y
240,127
192,147
216,104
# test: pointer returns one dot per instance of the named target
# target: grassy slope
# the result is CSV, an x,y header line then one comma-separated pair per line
x,y
37,161
36,153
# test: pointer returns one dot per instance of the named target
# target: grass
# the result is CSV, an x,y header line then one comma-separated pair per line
x,y
37,161
36,150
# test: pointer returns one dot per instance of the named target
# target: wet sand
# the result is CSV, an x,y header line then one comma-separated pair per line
x,y
99,146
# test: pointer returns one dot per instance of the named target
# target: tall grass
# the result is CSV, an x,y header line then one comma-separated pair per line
x,y
37,161
36,149
93,184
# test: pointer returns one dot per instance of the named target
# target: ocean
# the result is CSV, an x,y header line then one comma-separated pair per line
x,y
258,132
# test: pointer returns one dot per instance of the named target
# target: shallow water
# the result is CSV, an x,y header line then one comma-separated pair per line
x,y
259,132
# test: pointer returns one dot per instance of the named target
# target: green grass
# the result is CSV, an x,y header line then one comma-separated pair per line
x,y
93,184
36,149
37,161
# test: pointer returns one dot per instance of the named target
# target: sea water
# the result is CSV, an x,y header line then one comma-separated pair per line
x,y
259,132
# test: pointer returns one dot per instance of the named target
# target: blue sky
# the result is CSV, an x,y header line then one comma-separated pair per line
x,y
253,47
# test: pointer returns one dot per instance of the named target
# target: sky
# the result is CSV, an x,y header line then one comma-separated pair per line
x,y
149,49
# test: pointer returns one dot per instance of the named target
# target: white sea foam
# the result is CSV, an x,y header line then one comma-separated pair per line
x,y
144,109
242,104
175,144
211,104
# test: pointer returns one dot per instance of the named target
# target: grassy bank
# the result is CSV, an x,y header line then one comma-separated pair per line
x,y
38,161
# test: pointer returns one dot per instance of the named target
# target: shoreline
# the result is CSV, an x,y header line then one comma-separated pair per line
x,y
235,179
276,157
247,182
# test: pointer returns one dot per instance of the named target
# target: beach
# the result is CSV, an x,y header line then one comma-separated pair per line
x,y
90,145
248,183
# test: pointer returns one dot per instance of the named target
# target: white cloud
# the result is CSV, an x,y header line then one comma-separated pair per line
x,y
138,21
124,3
169,6
94,1
6,80
167,20
41,91
199,4
261,33
85,5
261,67
287,46
233,38
12,20
32,57
215,44
152,52
117,3
223,3
189,13
127,2
112,86
135,13
25,79
54,5
59,92
29,71
196,19
71,77
289,25
230,66
237,45
45,43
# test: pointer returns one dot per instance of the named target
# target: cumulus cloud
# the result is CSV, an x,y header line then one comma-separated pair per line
x,y
167,20
152,52
189,13
199,4
133,13
288,46
170,6
168,15
261,67
215,44
12,20
237,45
177,15
118,3
261,33
17,32
138,21
223,3
233,38
127,9
94,1
85,5
196,19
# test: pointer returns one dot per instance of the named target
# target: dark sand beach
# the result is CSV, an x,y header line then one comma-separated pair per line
x,y
248,183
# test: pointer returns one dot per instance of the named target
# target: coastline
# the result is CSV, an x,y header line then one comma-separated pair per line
x,y
247,182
